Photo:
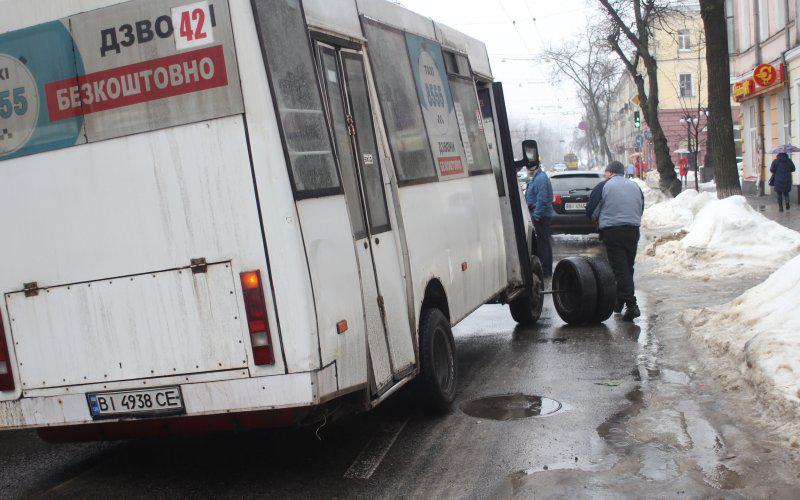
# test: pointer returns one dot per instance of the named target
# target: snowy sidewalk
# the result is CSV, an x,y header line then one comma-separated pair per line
x,y
768,207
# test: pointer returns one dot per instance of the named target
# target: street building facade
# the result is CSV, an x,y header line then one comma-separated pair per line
x,y
761,35
679,48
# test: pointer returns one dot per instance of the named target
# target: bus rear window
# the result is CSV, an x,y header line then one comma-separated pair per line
x,y
294,84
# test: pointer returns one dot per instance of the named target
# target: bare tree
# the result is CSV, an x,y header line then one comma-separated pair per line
x,y
630,35
585,61
720,126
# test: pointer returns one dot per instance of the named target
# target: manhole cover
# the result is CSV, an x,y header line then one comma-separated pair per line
x,y
510,407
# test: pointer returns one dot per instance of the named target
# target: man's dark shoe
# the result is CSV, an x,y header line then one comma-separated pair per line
x,y
631,312
618,306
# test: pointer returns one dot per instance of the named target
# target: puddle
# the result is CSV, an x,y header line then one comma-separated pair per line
x,y
613,430
510,407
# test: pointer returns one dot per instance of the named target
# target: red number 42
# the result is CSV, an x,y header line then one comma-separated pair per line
x,y
198,16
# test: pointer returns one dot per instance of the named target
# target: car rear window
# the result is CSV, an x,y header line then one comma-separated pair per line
x,y
565,183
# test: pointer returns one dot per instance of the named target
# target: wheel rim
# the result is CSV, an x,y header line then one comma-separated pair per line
x,y
443,361
537,287
568,296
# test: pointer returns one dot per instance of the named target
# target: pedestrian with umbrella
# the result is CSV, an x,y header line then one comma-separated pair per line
x,y
781,169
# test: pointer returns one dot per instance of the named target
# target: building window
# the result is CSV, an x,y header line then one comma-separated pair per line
x,y
730,26
744,29
780,14
686,85
684,40
786,120
763,18
751,171
737,139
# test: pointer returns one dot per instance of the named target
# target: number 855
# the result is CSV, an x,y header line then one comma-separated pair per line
x,y
13,102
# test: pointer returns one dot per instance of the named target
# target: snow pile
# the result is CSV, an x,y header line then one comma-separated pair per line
x,y
759,332
708,186
676,213
653,177
651,196
726,238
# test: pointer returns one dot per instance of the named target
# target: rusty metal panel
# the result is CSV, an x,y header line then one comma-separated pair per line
x,y
144,326
128,68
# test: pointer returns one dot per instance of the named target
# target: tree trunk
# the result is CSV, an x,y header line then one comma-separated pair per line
x,y
668,180
601,133
720,123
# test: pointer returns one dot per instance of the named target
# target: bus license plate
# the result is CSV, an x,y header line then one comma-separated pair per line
x,y
575,206
139,403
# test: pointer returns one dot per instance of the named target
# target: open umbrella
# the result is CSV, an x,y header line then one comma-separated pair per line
x,y
635,155
786,148
682,151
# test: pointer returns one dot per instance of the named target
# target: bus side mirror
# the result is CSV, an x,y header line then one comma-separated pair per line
x,y
530,153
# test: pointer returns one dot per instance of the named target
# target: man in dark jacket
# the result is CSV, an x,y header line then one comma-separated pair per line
x,y
539,196
617,204
782,168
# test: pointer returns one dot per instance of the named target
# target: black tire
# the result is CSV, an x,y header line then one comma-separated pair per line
x,y
439,369
575,291
606,288
527,308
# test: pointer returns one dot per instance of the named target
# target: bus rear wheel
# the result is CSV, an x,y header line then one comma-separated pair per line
x,y
437,352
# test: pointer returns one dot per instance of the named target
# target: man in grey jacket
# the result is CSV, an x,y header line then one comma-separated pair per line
x,y
617,204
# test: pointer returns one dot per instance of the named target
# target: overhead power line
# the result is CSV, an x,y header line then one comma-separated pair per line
x,y
514,24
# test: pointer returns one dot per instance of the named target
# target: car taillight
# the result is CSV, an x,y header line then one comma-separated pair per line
x,y
557,199
256,310
6,376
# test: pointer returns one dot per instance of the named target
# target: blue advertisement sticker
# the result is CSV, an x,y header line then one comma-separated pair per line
x,y
29,59
433,90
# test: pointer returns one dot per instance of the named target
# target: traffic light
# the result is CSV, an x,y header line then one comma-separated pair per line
x,y
637,120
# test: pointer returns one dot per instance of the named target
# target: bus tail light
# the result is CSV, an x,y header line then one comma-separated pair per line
x,y
257,322
6,376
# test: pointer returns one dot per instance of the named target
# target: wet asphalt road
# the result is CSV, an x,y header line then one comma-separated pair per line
x,y
640,416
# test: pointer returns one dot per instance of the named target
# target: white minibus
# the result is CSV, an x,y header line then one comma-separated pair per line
x,y
229,214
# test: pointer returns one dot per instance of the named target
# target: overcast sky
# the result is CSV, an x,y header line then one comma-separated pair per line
x,y
532,90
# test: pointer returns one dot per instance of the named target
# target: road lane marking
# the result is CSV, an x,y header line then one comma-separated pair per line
x,y
373,453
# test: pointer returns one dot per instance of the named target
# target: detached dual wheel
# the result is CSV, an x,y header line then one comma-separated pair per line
x,y
584,290
526,309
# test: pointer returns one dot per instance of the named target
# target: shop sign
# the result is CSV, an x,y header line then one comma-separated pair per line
x,y
743,89
765,75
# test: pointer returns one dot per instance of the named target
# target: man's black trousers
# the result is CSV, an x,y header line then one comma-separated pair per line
x,y
543,249
621,243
